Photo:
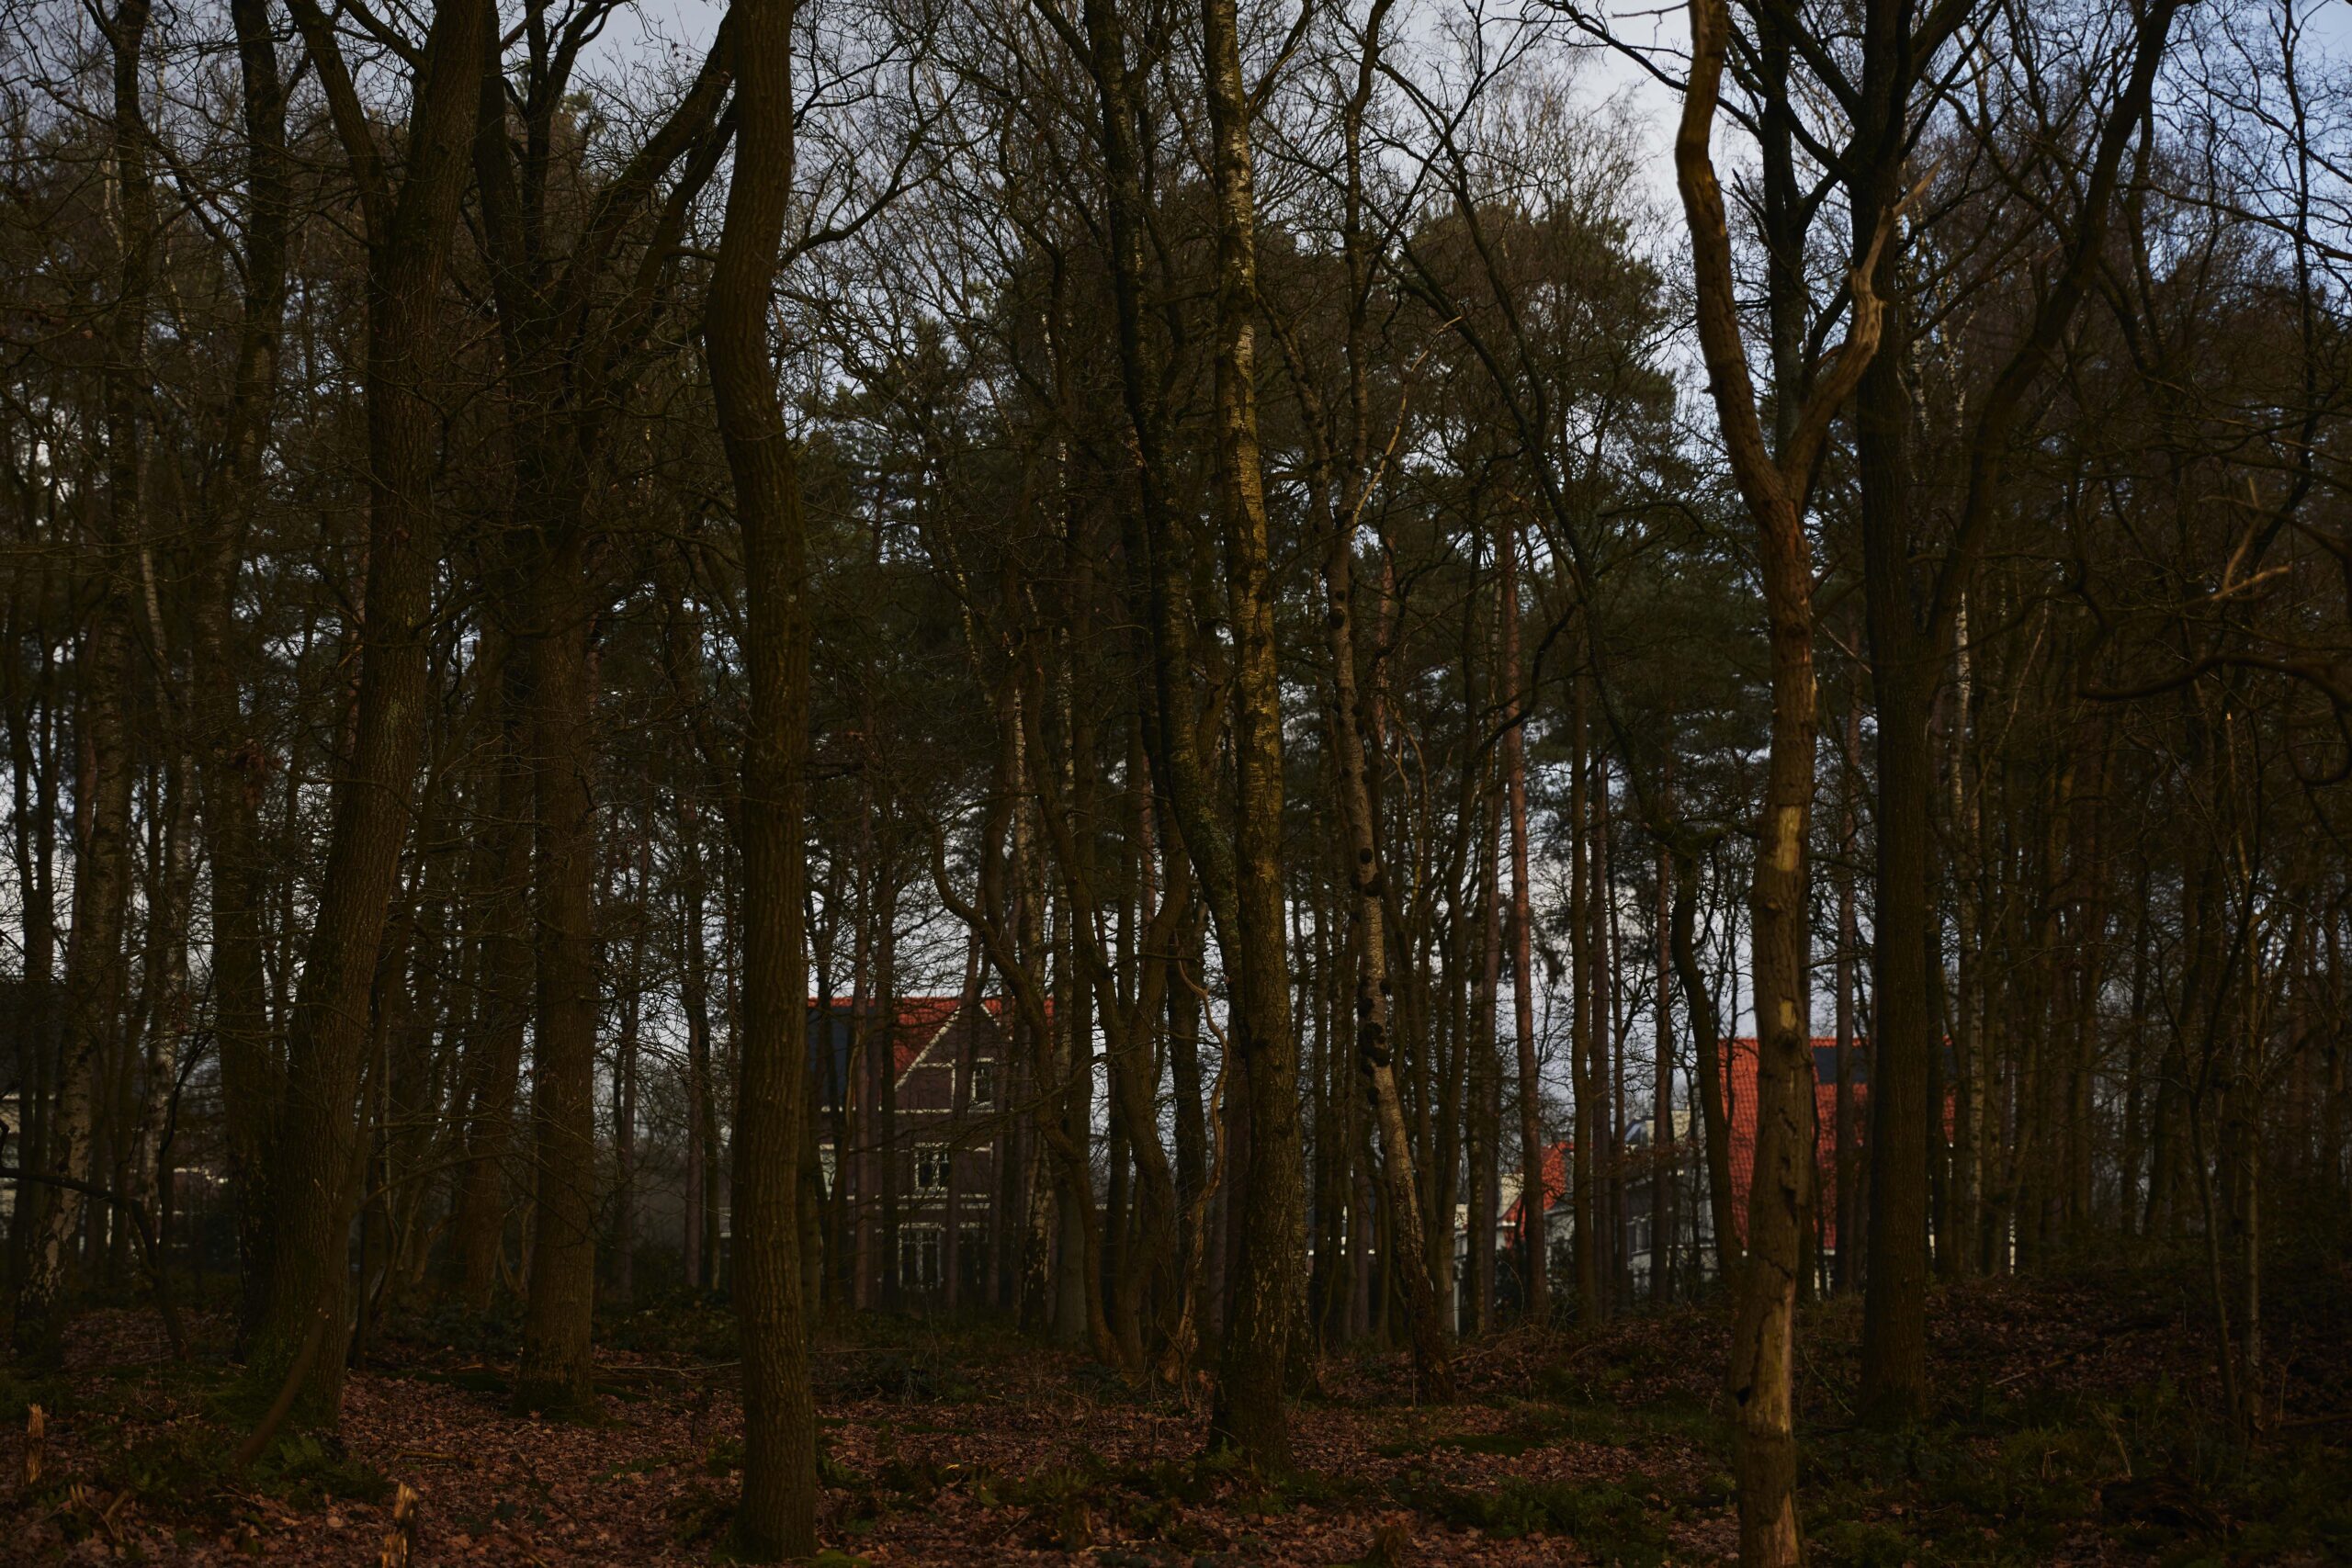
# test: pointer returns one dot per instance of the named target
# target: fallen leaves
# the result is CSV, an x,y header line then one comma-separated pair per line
x,y
945,1447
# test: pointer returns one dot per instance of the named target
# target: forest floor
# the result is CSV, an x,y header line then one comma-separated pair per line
x,y
2074,1425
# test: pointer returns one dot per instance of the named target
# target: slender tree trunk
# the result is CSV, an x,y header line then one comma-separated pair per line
x,y
1584,1022
1665,1161
96,970
631,982
1485,1068
1534,1196
1960,1253
493,1054
1375,1050
1848,936
1706,1032
171,1002
883,1043
1773,482
702,1164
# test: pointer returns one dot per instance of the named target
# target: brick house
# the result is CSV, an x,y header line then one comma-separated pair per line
x,y
1691,1197
948,1140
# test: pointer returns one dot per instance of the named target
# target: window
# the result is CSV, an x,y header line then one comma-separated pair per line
x,y
931,1169
918,1257
828,1166
983,1085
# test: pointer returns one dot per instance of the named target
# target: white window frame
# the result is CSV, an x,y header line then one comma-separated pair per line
x,y
911,1248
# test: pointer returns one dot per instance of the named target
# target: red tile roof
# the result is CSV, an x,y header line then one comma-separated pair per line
x,y
1555,1187
1740,1081
917,1021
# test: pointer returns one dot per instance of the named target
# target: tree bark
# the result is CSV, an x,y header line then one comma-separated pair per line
x,y
1249,1413
1533,1194
408,237
1773,484
500,893
776,1518
230,758
554,1373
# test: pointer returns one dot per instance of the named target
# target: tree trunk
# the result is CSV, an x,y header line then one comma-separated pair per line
x,y
555,1371
408,234
1773,481
1375,1052
1249,1413
776,1518
1534,1260
229,759
701,1113
96,970
1706,1031
1894,1321
494,1056
883,1041
1485,1068
1584,1047
631,981
1664,1159
1844,1269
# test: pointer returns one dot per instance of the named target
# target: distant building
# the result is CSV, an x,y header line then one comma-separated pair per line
x,y
947,1139
1741,1081
1640,1166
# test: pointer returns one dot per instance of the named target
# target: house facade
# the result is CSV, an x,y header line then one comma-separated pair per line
x,y
944,1143
1639,1165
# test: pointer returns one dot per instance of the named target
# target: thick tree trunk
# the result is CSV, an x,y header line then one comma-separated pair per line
x,y
777,1515
33,783
1249,1413
1894,1332
229,760
554,1373
314,1193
